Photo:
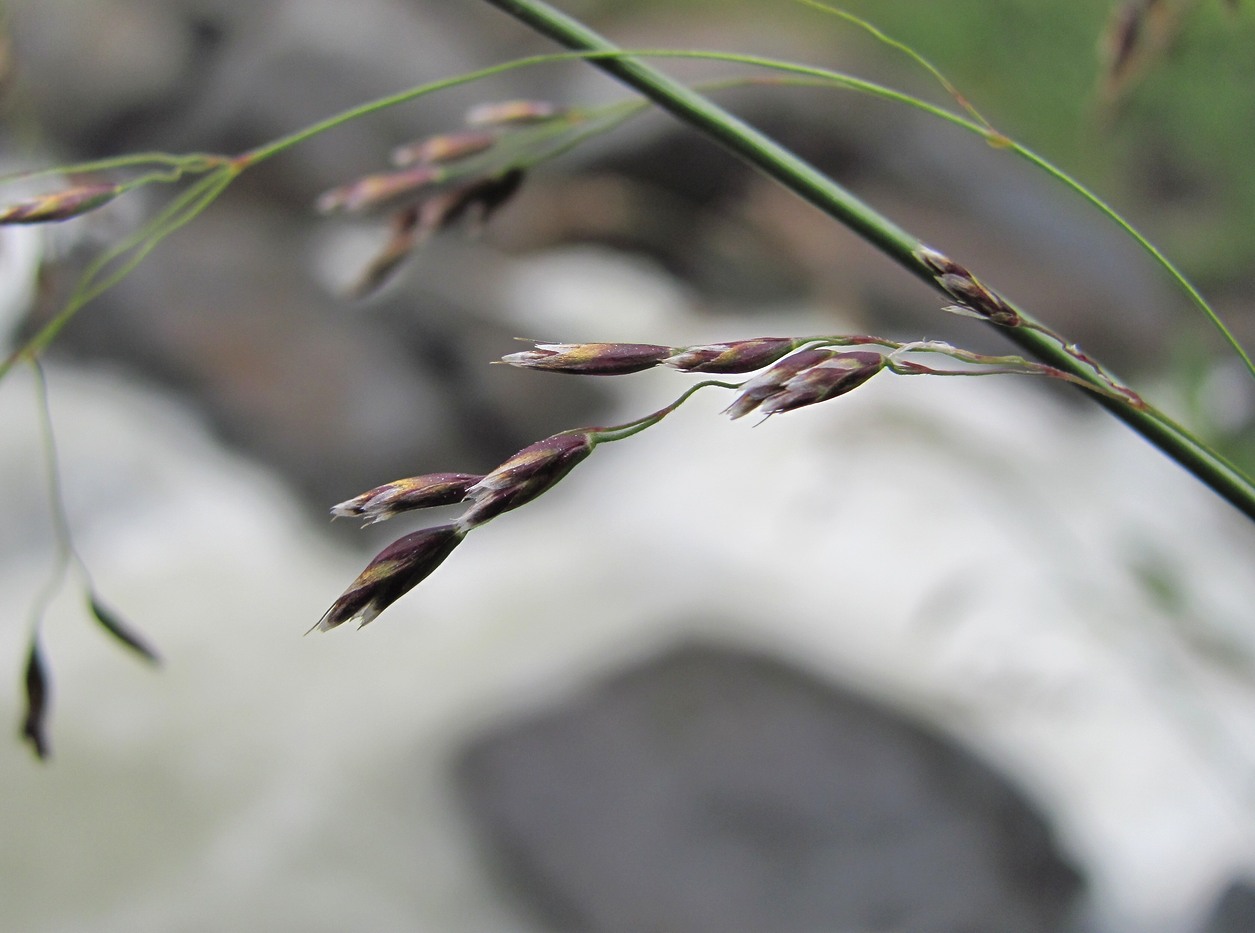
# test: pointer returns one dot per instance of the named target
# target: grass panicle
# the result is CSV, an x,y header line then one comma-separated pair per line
x,y
465,174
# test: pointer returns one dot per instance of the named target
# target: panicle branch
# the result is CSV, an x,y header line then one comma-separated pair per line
x,y
790,373
409,560
444,178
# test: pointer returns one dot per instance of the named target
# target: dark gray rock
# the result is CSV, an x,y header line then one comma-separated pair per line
x,y
711,789
1235,911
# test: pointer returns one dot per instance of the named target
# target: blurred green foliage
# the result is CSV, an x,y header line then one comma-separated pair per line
x,y
1175,153
1180,138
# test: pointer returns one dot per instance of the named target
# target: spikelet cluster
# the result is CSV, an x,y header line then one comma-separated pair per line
x,y
438,181
974,298
791,378
408,561
59,205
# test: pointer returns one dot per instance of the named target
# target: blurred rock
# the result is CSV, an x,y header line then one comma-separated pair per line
x,y
110,76
1235,912
95,68
710,789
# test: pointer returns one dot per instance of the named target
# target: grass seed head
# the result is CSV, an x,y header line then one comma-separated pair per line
x,y
482,197
523,477
507,112
590,359
374,190
834,376
404,237
965,288
739,356
395,571
1122,40
447,147
772,380
404,495
60,205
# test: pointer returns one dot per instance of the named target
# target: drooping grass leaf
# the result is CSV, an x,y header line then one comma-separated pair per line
x,y
38,690
121,631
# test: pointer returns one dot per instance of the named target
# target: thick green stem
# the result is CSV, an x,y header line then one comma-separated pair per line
x,y
813,186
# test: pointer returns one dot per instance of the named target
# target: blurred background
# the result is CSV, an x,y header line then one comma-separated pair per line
x,y
936,657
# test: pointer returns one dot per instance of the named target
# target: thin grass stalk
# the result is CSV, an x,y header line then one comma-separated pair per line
x,y
813,186
93,283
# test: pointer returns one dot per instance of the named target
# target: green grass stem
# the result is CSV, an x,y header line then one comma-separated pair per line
x,y
809,183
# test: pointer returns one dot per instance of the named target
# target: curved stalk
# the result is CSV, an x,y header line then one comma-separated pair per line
x,y
795,174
